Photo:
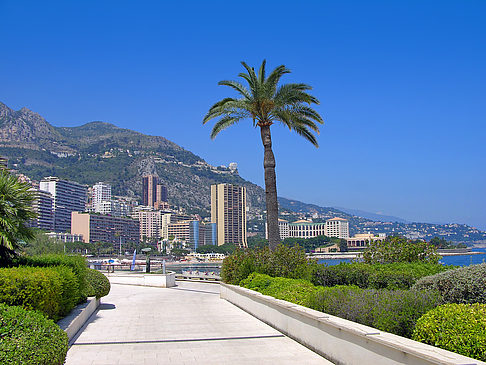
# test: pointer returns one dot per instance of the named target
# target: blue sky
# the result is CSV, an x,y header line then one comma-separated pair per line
x,y
402,86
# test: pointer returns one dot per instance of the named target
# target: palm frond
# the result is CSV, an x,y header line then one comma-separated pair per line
x,y
236,86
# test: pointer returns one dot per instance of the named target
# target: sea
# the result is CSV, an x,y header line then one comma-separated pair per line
x,y
456,260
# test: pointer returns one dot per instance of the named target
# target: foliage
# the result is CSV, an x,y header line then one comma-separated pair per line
x,y
394,311
42,244
16,201
399,249
378,276
76,263
293,290
257,242
289,262
97,283
53,291
310,244
28,338
460,328
463,285
179,252
443,243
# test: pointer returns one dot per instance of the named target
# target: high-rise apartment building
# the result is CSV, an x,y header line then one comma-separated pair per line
x,y
149,190
161,193
101,192
193,233
68,197
105,228
228,211
44,207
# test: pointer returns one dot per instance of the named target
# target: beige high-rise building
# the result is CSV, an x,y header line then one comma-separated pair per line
x,y
228,211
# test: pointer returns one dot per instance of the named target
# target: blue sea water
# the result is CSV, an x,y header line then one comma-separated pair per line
x,y
459,260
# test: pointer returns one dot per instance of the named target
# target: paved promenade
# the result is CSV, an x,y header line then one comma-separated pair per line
x,y
188,324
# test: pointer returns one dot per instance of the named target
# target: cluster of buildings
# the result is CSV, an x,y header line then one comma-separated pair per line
x,y
74,212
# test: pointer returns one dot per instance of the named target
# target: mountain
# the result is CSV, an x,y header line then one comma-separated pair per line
x,y
99,151
372,216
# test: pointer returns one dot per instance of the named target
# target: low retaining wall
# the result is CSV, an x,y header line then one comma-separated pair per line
x,y
156,280
73,322
338,340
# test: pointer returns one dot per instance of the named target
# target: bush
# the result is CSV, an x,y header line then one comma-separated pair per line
x,y
394,311
460,328
29,338
98,284
32,288
377,276
463,285
51,290
289,262
399,249
293,290
76,263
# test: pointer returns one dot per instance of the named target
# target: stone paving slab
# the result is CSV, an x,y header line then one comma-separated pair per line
x,y
188,324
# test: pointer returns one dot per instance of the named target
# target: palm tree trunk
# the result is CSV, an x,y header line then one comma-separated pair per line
x,y
270,188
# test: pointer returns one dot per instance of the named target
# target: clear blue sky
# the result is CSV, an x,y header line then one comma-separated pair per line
x,y
402,87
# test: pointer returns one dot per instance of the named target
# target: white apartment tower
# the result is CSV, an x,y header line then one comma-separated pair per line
x,y
228,211
101,193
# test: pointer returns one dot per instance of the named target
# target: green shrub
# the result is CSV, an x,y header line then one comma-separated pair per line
x,y
289,262
378,276
76,263
293,290
32,288
460,328
69,289
28,338
399,249
463,285
394,311
98,284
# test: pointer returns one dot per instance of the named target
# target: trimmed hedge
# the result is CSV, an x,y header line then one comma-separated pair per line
x,y
394,311
460,328
28,338
98,284
387,310
288,262
376,276
293,290
76,263
51,290
463,285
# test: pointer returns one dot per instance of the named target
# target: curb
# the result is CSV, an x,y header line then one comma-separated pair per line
x,y
76,319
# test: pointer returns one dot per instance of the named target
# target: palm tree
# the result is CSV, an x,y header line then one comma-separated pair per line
x,y
264,103
16,209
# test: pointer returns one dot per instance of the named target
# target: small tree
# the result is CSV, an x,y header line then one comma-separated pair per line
x,y
399,249
16,209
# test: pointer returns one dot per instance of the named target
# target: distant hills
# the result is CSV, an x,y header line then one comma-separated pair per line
x,y
100,151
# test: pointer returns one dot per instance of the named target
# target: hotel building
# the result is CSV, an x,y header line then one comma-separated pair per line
x,y
335,227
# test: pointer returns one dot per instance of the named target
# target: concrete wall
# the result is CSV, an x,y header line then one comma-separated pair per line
x,y
72,323
339,340
157,280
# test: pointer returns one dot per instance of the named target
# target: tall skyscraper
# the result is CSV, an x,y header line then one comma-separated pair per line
x,y
149,190
68,196
228,211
